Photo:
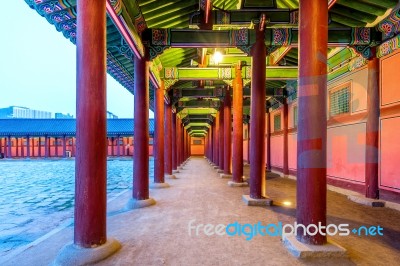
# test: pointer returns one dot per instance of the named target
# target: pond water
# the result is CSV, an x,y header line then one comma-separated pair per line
x,y
36,196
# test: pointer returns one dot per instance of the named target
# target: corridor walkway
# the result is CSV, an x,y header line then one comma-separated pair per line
x,y
159,235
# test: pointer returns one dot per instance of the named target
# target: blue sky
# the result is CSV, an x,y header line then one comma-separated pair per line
x,y
38,64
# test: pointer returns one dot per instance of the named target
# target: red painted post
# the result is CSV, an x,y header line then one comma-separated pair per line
x,y
159,135
28,146
64,146
372,130
268,134
227,133
73,147
248,143
257,127
33,147
189,145
141,125
174,143
112,146
17,147
216,140
91,157
168,138
311,143
237,149
40,147
46,147
56,144
178,142
118,146
9,147
184,147
285,138
210,143
221,138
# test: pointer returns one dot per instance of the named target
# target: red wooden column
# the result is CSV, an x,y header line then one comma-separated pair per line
x,y
285,139
28,146
90,188
46,146
56,144
168,140
174,143
178,143
227,134
73,147
221,139
372,130
257,126
311,143
40,147
216,140
9,145
91,160
20,146
112,146
185,141
210,143
33,147
237,149
140,191
158,150
118,146
64,146
268,134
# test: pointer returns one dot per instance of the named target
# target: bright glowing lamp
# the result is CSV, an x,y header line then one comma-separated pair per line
x,y
217,57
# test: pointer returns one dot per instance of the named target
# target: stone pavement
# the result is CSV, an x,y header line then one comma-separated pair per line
x,y
159,235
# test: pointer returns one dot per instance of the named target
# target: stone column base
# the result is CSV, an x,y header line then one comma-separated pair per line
x,y
159,185
72,254
256,202
216,167
137,204
366,201
220,171
225,176
170,176
175,171
301,250
234,184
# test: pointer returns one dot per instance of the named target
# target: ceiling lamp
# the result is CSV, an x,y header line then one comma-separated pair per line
x,y
217,56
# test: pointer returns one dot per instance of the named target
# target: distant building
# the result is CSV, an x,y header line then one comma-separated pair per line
x,y
111,115
22,112
61,116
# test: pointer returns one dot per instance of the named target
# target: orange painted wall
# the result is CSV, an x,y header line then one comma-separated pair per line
x,y
197,149
346,152
292,151
389,152
277,151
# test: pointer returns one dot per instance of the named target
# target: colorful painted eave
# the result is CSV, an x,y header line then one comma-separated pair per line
x,y
178,48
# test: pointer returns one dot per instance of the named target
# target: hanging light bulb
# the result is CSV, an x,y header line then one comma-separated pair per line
x,y
217,57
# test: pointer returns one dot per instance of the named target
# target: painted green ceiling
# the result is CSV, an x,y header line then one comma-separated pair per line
x,y
176,14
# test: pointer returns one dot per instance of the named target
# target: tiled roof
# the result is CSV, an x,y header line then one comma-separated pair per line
x,y
60,127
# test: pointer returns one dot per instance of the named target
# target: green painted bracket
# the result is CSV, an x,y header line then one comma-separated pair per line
x,y
226,73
